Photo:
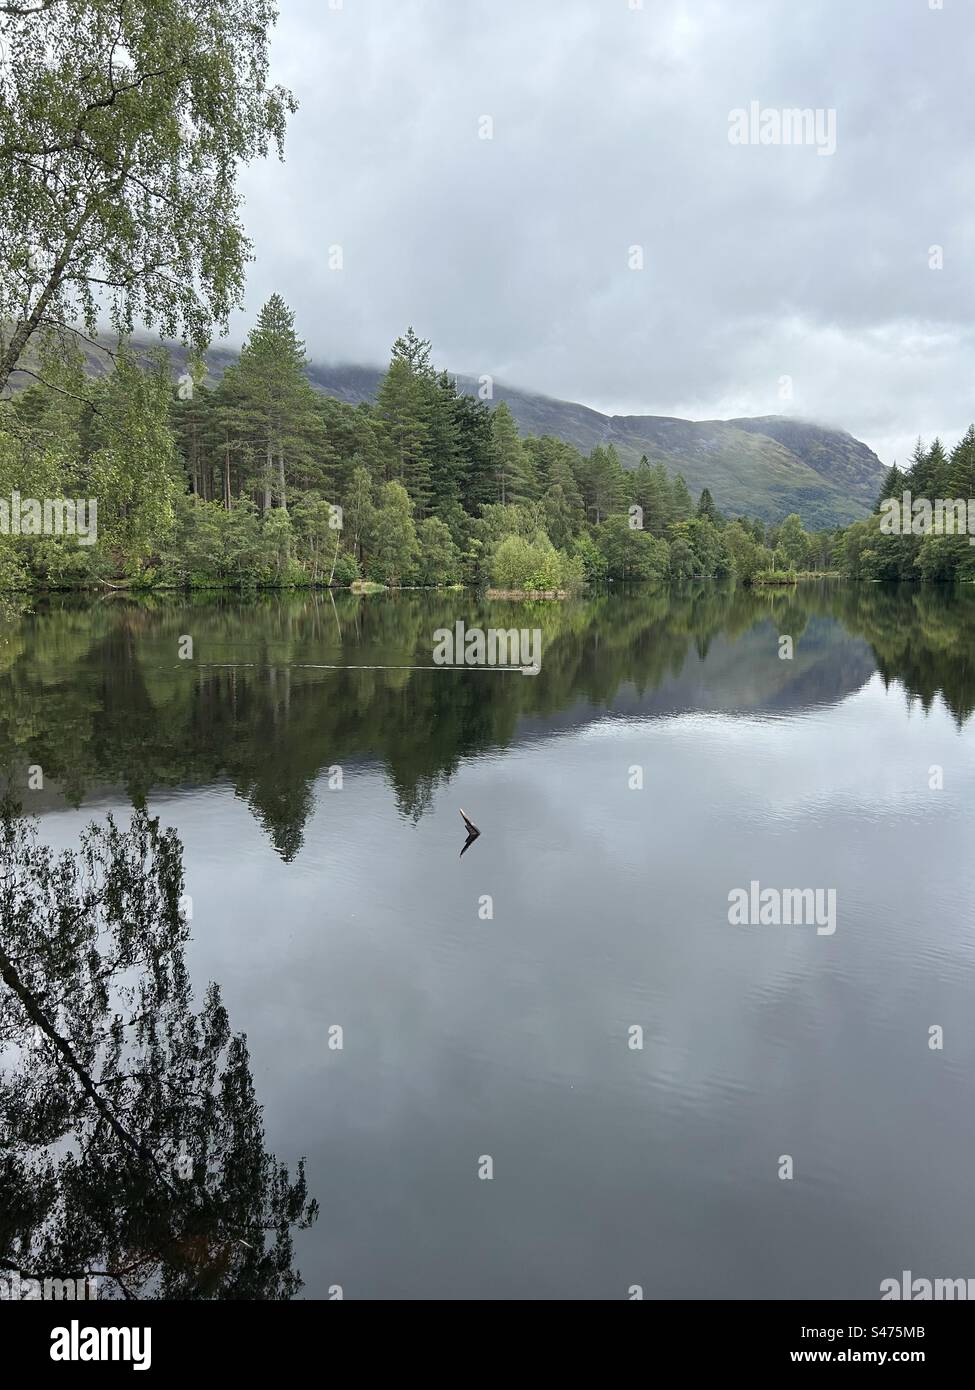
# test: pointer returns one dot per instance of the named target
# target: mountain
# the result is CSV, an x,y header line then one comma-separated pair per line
x,y
766,466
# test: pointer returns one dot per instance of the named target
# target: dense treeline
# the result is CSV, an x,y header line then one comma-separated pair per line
x,y
258,480
871,550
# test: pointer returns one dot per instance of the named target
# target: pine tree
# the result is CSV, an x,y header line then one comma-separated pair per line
x,y
237,436
961,472
938,469
352,436
682,506
445,447
893,486
658,510
556,464
919,478
405,402
557,517
513,468
477,483
276,396
641,483
604,483
707,509
192,421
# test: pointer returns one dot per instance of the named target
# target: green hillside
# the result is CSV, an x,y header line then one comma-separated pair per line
x,y
765,467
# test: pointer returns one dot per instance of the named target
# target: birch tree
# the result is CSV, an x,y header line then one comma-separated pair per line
x,y
123,127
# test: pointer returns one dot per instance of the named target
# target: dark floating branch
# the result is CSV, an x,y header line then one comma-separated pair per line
x,y
472,833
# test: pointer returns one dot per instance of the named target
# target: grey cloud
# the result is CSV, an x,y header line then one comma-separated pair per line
x,y
611,130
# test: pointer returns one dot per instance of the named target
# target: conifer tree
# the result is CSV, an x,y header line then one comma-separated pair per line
x,y
707,509
681,504
477,482
193,420
920,475
513,468
938,469
276,396
658,506
445,448
604,483
893,485
961,471
556,464
405,403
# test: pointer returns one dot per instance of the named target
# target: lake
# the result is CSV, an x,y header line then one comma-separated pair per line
x,y
566,1005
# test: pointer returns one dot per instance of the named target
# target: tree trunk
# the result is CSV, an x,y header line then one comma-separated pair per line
x,y
282,488
194,462
25,329
226,478
29,1002
268,471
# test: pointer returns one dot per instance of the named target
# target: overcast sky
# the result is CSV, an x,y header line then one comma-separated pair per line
x,y
611,131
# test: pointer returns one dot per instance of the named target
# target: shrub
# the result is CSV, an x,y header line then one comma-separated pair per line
x,y
346,570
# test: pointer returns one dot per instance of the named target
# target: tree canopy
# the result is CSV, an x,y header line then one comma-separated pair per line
x,y
123,126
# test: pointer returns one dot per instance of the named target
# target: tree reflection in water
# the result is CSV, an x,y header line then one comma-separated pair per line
x,y
131,1141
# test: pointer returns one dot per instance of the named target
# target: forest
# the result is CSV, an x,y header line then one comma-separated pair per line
x,y
258,481
122,211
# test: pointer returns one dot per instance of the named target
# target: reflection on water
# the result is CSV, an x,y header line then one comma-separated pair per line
x,y
324,901
132,1151
97,697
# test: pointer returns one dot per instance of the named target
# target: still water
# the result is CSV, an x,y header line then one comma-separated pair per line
x,y
488,1004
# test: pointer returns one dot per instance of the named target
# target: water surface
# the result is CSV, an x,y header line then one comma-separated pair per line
x,y
316,905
